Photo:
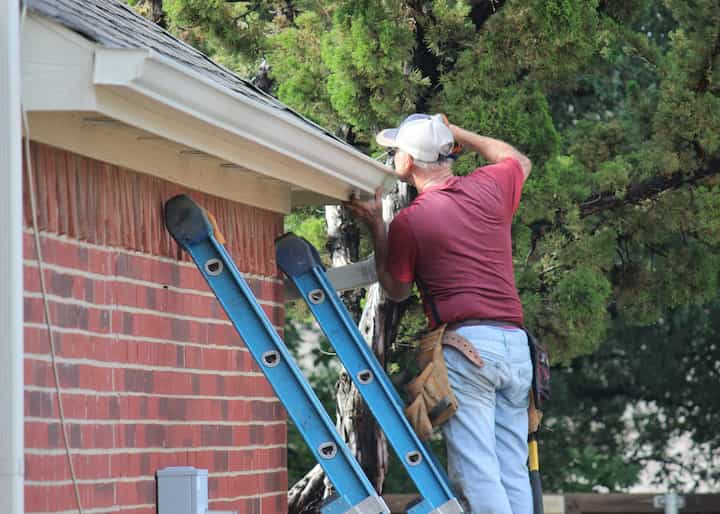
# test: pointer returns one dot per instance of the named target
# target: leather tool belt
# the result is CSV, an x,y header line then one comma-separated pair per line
x,y
431,399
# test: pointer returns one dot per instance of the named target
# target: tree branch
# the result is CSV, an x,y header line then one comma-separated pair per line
x,y
423,59
482,10
426,61
705,79
158,15
647,190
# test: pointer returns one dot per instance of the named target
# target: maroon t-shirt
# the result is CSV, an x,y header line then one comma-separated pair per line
x,y
454,241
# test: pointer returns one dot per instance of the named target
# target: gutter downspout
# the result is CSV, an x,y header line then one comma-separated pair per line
x,y
11,268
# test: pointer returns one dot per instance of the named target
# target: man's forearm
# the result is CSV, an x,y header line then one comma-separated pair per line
x,y
378,233
493,150
397,291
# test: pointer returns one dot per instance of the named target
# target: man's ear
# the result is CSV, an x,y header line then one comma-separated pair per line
x,y
407,161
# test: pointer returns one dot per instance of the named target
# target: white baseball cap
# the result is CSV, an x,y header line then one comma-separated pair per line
x,y
425,137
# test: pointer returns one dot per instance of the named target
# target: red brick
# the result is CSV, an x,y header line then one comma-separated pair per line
x,y
88,406
62,197
39,404
266,289
148,462
51,498
136,493
69,254
48,435
38,435
188,304
257,459
47,186
68,315
167,300
149,269
174,329
275,503
230,359
197,436
75,406
75,345
80,376
247,485
55,467
244,505
67,284
206,384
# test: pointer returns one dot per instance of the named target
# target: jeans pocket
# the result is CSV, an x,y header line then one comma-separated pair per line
x,y
466,377
519,384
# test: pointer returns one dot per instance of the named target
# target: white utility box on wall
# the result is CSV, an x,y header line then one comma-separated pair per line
x,y
183,490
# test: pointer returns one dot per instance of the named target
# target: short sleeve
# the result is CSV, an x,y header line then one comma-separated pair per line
x,y
402,250
509,177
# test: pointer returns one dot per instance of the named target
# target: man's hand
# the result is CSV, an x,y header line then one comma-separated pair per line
x,y
368,212
491,149
457,147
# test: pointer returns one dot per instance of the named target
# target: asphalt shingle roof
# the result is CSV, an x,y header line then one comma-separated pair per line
x,y
113,24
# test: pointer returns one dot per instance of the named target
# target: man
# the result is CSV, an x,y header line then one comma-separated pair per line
x,y
454,241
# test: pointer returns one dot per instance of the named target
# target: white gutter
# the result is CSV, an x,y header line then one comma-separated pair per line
x,y
147,74
11,270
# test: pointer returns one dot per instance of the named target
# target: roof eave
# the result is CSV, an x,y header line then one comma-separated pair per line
x,y
167,84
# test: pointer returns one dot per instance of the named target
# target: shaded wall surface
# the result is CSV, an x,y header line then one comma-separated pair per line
x,y
152,372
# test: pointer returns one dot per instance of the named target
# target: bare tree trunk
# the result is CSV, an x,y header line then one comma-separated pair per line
x,y
378,323
158,16
307,494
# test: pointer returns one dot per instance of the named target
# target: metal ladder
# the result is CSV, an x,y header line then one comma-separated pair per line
x,y
193,231
300,262
191,228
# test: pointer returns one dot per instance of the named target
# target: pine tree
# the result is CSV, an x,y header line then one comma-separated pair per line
x,y
617,102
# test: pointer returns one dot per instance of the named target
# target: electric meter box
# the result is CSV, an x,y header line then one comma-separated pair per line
x,y
184,490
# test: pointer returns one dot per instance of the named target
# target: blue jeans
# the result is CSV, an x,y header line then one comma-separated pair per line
x,y
487,438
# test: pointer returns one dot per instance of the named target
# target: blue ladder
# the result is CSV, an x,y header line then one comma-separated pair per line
x,y
301,263
191,228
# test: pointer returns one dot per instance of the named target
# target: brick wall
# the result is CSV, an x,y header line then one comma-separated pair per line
x,y
153,374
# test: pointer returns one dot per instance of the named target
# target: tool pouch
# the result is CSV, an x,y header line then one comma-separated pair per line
x,y
540,390
541,371
431,400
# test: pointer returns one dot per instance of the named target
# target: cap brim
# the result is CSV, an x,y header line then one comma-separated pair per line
x,y
387,137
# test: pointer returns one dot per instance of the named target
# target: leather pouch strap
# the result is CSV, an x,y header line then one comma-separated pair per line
x,y
463,346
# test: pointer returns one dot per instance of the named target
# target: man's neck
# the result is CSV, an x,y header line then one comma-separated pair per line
x,y
423,182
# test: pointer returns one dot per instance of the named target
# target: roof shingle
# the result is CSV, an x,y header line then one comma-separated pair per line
x,y
114,24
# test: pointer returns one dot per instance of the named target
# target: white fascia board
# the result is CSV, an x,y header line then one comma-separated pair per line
x,y
155,77
56,68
